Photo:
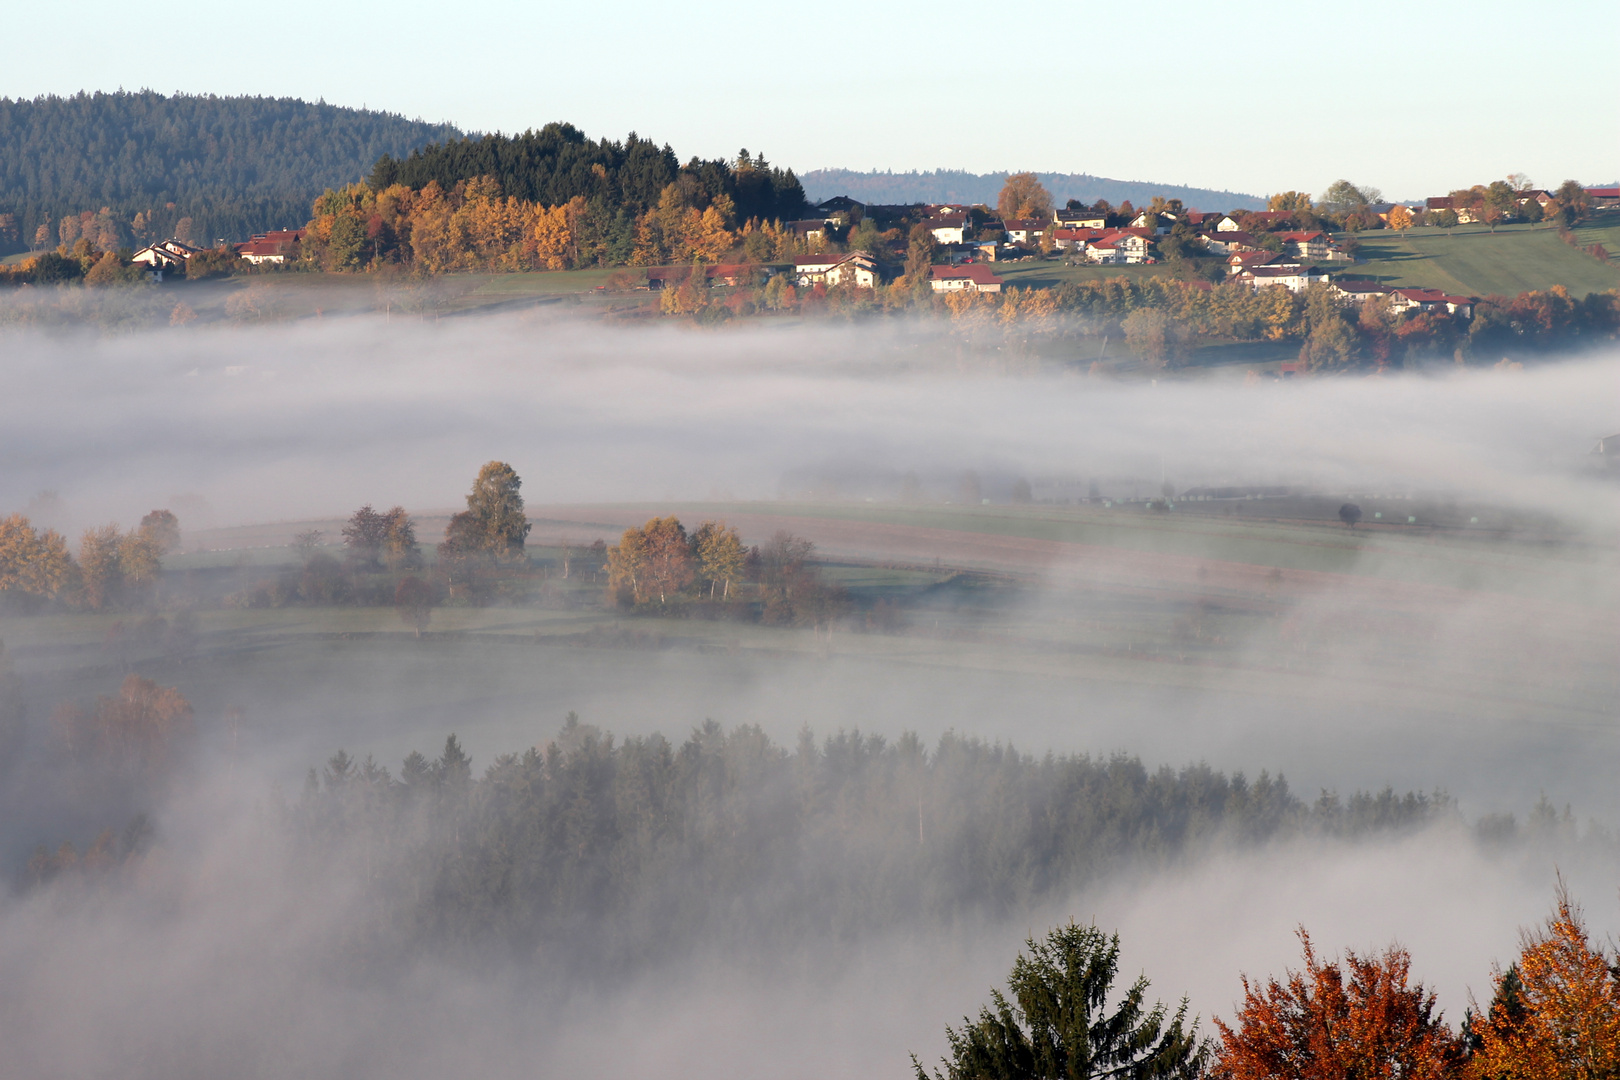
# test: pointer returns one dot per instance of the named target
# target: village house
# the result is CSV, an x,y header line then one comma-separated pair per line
x,y
857,268
1079,219
1534,195
1604,196
1293,277
271,247
165,255
1158,223
1309,245
1227,224
1248,260
1229,242
841,210
949,228
810,230
974,277
1430,300
1020,231
1120,246
1358,291
1075,239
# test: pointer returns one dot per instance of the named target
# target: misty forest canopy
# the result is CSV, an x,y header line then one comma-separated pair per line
x,y
234,165
558,163
615,851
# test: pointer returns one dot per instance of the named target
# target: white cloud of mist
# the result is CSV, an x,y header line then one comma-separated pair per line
x,y
310,420
226,958
218,966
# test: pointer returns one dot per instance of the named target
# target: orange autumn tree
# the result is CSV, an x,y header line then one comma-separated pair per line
x,y
1557,1011
1355,1020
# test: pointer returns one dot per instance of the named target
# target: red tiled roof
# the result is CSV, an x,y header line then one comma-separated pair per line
x,y
1604,192
979,272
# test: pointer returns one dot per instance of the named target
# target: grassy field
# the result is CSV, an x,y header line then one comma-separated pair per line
x,y
1471,260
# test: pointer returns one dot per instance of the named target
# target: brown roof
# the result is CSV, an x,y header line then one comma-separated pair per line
x,y
979,272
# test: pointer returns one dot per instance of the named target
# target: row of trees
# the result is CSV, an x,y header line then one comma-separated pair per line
x,y
114,568
599,850
1555,1015
474,224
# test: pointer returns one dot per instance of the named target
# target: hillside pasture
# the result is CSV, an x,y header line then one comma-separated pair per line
x,y
1470,260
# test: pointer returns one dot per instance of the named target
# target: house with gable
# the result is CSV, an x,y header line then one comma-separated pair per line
x,y
276,247
1079,219
973,277
168,254
1290,276
856,268
1023,231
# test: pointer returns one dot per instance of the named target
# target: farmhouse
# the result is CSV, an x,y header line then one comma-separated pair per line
x,y
1227,224
1604,196
166,255
1293,277
974,277
1358,291
1430,300
856,268
271,247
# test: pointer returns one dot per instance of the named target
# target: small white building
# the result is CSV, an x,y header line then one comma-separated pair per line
x,y
974,277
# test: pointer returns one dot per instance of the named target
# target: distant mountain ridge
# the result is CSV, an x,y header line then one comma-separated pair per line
x,y
234,165
957,186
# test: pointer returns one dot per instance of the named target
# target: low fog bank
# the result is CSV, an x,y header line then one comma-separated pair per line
x,y
286,422
216,957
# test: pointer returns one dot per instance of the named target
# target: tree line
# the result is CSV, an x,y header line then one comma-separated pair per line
x,y
613,851
114,568
143,166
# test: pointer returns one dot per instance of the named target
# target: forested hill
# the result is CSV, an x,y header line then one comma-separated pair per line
x,y
955,186
557,163
234,165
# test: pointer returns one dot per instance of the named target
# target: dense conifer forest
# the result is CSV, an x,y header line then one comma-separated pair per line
x,y
234,165
558,163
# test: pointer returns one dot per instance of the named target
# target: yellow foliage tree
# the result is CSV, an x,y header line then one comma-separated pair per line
x,y
33,565
1568,1001
1400,217
553,239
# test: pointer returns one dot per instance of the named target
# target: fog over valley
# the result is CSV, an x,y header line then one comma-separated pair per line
x,y
947,649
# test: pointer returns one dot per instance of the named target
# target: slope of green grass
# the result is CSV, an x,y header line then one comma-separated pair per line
x,y
1473,261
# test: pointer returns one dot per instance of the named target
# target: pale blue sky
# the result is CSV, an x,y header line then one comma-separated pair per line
x,y
1257,97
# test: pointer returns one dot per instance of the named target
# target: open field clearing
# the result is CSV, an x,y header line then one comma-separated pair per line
x,y
1304,645
1473,261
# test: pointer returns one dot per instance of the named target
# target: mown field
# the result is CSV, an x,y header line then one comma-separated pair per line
x,y
1470,260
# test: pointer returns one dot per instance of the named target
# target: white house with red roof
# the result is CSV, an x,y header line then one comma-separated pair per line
x,y
1021,231
1228,242
271,247
1309,245
1075,239
972,277
1358,291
